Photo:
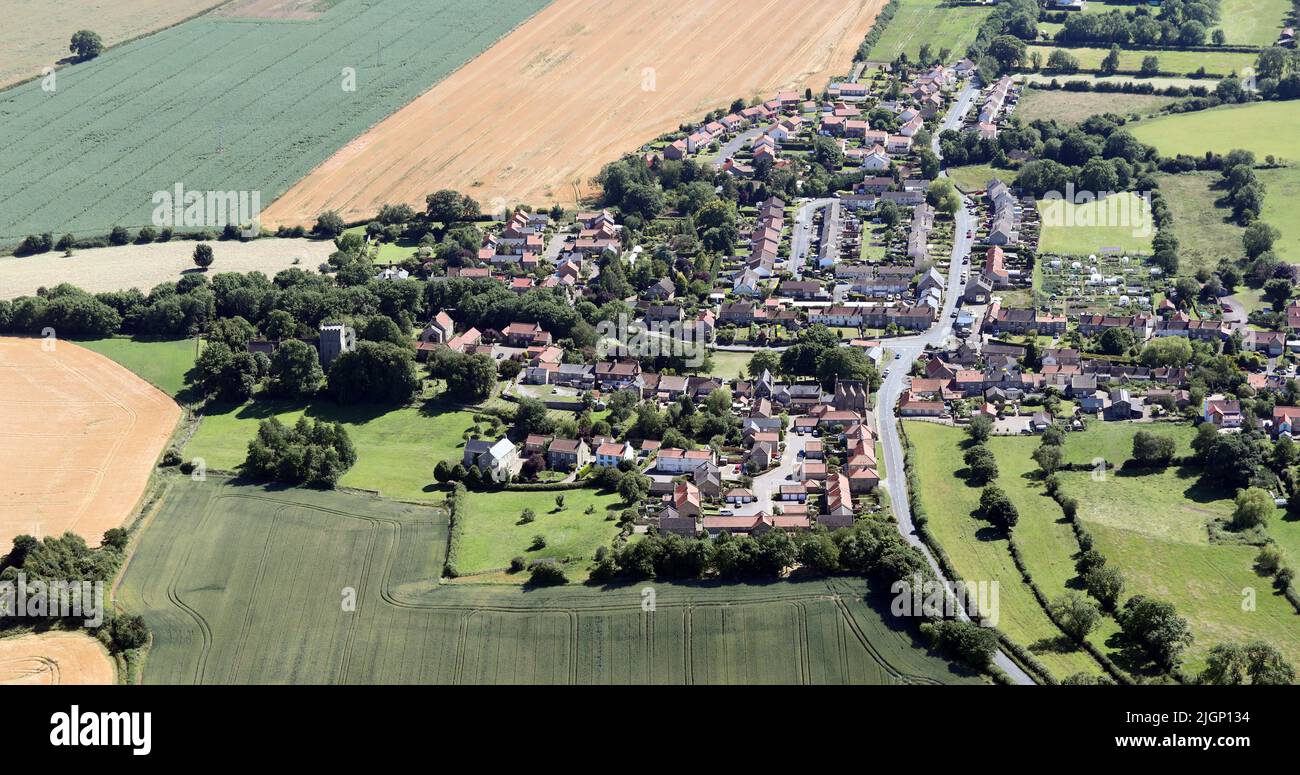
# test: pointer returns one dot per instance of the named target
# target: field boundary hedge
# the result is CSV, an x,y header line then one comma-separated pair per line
x,y
456,515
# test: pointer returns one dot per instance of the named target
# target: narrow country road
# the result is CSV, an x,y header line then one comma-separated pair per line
x,y
908,349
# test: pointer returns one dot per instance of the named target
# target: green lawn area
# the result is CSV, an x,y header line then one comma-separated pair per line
x,y
974,177
389,252
730,365
161,363
1121,222
1280,204
1153,528
982,553
492,533
396,448
1220,63
1252,22
1071,107
1205,232
921,22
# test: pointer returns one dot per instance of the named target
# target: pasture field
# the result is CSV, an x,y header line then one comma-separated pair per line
x,y
79,442
35,35
1121,221
981,552
267,609
1216,63
224,103
921,22
96,270
493,534
161,363
1252,22
535,117
1152,526
1263,127
1070,107
1113,441
1206,232
396,448
53,658
1267,128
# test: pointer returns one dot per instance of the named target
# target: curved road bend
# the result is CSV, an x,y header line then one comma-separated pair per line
x,y
911,347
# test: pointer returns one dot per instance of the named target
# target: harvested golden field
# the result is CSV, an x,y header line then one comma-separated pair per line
x,y
143,266
35,33
80,438
533,118
54,658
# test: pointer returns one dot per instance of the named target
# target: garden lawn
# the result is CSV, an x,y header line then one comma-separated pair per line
x,y
731,365
492,533
162,363
1121,222
396,448
1153,528
981,552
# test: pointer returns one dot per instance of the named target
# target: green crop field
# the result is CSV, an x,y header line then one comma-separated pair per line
x,y
1218,63
223,104
1121,221
160,363
493,532
1152,526
242,584
1268,129
396,448
981,553
1071,107
921,22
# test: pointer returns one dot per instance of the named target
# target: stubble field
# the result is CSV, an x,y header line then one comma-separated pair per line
x,y
79,441
53,658
534,118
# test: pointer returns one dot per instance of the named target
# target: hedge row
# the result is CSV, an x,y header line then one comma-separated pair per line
x,y
877,29
456,506
1119,87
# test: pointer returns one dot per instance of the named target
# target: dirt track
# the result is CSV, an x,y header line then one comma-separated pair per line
x,y
534,117
79,437
54,658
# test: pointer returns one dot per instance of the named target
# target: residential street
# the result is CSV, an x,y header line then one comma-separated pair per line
x,y
767,484
801,238
909,348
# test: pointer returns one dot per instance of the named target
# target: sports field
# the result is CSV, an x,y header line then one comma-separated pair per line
x,y
96,270
271,607
224,103
53,658
1121,221
928,22
79,440
35,35
582,83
